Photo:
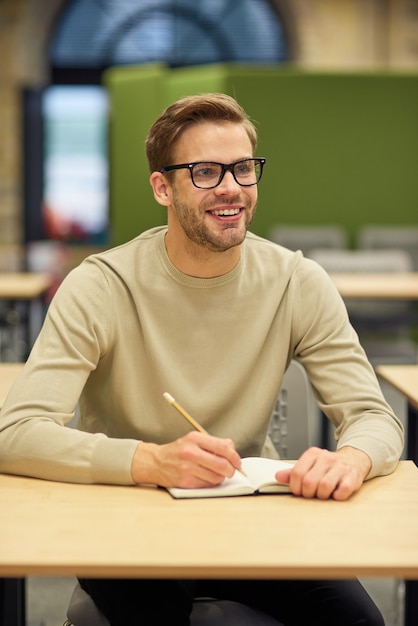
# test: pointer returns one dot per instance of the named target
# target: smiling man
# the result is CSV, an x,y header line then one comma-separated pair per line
x,y
214,314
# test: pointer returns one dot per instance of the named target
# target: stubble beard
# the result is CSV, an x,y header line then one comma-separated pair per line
x,y
232,234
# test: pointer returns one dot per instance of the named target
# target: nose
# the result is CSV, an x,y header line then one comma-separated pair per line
x,y
228,183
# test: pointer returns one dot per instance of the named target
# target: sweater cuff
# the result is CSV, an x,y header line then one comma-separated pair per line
x,y
112,461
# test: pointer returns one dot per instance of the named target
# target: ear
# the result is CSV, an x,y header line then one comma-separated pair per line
x,y
160,188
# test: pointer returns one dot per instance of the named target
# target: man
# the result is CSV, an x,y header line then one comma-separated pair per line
x,y
212,314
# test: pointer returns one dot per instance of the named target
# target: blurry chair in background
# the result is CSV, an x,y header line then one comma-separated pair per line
x,y
296,419
375,237
307,237
11,341
384,326
49,257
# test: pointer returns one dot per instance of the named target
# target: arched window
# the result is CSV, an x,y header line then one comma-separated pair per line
x,y
92,35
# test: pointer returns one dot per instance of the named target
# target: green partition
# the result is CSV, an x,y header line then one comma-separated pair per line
x,y
340,148
135,101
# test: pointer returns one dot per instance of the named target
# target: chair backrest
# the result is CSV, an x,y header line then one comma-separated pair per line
x,y
387,260
375,237
306,237
296,419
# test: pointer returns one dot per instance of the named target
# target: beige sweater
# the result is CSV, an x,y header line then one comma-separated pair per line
x,y
126,326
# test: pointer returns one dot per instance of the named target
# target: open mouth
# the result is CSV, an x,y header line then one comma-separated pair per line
x,y
225,212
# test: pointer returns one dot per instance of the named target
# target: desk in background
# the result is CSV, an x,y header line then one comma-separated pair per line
x,y
404,378
12,590
23,285
382,286
27,289
383,308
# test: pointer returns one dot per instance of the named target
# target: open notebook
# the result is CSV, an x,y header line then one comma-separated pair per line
x,y
260,479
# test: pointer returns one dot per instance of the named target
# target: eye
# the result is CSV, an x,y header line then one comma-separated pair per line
x,y
206,170
244,168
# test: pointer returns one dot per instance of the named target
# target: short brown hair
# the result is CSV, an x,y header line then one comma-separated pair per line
x,y
207,107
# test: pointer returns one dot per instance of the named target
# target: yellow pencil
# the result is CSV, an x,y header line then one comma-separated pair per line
x,y
190,419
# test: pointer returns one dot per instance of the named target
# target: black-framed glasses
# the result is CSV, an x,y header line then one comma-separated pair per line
x,y
209,174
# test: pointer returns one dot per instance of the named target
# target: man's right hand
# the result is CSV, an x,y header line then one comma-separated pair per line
x,y
194,461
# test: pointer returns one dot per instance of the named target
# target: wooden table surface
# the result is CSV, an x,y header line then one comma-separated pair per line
x,y
60,529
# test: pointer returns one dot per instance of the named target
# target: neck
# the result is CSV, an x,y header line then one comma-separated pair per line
x,y
199,262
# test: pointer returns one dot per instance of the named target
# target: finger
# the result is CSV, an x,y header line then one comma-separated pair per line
x,y
316,474
226,460
299,482
328,484
214,458
345,489
192,472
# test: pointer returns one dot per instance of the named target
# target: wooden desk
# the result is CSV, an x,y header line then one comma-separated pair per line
x,y
26,287
50,528
55,529
385,286
404,378
23,285
8,373
37,515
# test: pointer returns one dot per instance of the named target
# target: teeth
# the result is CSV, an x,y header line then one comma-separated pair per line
x,y
225,212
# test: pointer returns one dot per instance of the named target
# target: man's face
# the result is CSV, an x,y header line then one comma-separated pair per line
x,y
214,219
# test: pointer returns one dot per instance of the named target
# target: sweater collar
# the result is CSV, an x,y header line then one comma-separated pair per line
x,y
193,281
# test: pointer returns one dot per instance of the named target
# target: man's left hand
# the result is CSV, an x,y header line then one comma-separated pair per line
x,y
324,474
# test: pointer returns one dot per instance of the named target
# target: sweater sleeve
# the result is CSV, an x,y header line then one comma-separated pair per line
x,y
33,441
344,382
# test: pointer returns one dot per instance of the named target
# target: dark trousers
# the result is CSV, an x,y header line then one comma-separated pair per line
x,y
295,603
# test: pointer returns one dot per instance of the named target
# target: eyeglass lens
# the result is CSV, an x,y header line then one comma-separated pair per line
x,y
206,175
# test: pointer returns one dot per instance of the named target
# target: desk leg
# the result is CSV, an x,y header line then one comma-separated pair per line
x,y
12,601
411,603
412,436
411,586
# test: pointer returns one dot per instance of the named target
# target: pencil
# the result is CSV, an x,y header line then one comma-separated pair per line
x,y
190,419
